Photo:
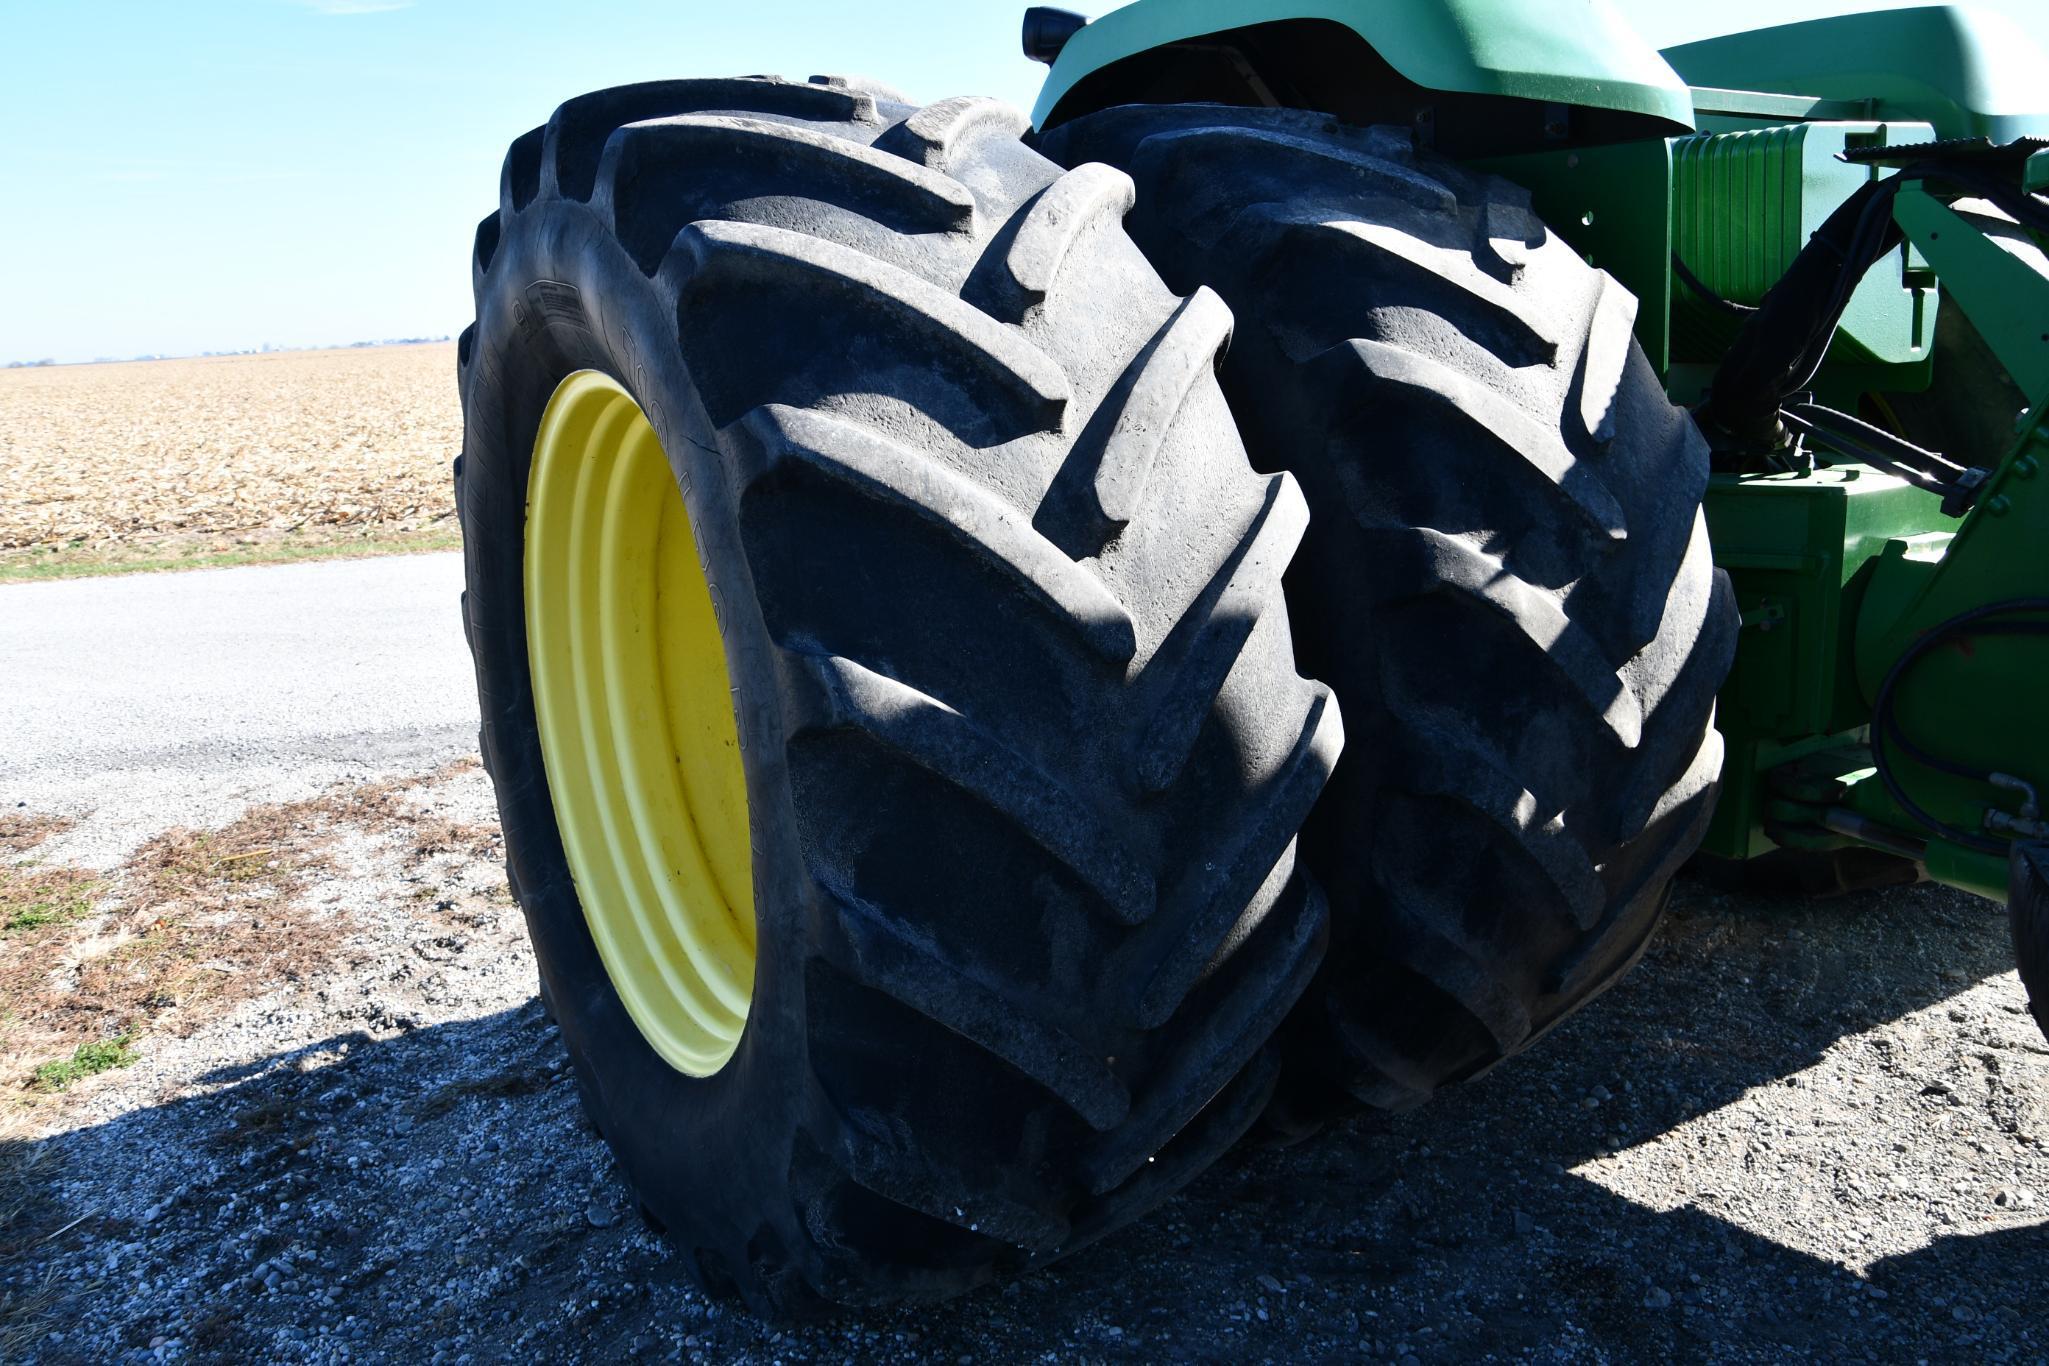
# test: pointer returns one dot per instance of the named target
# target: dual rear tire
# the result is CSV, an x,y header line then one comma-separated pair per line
x,y
903,793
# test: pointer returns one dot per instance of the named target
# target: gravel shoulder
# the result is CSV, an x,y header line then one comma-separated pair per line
x,y
1796,1132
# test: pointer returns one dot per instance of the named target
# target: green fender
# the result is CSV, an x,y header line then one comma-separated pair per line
x,y
1580,53
1969,72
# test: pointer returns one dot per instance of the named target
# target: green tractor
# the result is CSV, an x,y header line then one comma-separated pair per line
x,y
901,540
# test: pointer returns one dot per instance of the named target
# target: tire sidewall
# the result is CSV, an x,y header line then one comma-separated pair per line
x,y
710,1156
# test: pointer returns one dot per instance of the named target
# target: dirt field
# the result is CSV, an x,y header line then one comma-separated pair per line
x,y
336,1126
224,459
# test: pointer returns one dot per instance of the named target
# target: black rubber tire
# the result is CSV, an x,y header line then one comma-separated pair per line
x,y
1026,750
1507,578
2027,909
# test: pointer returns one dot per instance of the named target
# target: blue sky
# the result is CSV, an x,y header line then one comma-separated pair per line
x,y
220,174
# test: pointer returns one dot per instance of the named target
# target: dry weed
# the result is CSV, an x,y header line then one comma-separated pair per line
x,y
24,1315
24,1170
33,899
194,922
504,1086
22,830
28,1218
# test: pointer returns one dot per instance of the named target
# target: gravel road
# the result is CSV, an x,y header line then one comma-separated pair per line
x,y
1797,1132
166,699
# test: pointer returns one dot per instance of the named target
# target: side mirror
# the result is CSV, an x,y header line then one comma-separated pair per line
x,y
1046,31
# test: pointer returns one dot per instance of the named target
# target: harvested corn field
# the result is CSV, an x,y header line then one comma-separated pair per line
x,y
154,464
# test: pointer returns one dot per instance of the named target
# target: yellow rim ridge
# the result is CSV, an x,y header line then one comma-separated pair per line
x,y
635,709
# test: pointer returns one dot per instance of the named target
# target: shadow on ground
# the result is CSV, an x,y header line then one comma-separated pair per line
x,y
435,1196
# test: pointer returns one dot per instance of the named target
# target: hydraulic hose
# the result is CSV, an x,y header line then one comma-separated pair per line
x,y
1885,725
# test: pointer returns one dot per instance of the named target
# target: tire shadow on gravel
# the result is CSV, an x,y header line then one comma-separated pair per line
x,y
393,1195
1742,990
1704,1164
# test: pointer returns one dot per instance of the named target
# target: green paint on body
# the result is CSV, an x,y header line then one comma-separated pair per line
x,y
1967,72
1581,53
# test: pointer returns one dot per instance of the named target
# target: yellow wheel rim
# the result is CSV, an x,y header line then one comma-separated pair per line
x,y
635,711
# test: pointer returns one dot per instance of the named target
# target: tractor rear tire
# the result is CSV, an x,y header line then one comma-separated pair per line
x,y
1015,711
1506,580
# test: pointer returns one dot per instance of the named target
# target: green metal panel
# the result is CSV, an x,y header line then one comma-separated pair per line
x,y
1736,208
1967,72
1572,52
1614,204
1799,549
1979,699
1745,203
2001,549
1729,111
1799,552
2000,267
1983,875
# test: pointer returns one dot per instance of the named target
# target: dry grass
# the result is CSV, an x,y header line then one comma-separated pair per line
x,y
194,922
159,463
504,1086
150,555
33,899
193,919
24,1169
27,1218
22,830
24,1316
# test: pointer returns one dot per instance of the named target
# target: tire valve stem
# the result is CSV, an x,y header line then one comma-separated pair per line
x,y
2027,823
